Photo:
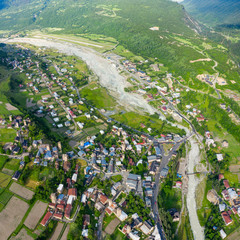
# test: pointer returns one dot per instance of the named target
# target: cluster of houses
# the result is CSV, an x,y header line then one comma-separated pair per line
x,y
138,225
229,202
61,204
195,113
21,140
132,67
103,203
111,160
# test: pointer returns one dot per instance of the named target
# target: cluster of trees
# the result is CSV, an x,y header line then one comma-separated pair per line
x,y
75,232
218,165
215,221
104,185
136,205
48,231
166,219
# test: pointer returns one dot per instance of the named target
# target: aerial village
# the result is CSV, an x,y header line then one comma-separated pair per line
x,y
125,160
128,161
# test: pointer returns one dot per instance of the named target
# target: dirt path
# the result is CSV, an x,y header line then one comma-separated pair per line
x,y
193,159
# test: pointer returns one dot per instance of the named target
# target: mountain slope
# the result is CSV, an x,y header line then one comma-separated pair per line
x,y
214,12
175,44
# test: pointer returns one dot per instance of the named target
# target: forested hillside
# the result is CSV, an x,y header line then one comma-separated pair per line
x,y
215,12
176,43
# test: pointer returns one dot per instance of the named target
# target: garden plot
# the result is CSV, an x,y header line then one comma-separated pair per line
x,y
22,235
11,216
57,231
35,215
111,226
21,191
4,179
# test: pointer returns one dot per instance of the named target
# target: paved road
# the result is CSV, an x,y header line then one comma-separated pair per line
x,y
164,162
100,224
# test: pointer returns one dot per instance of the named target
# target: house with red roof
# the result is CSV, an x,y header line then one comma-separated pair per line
x,y
72,192
103,199
46,219
226,184
226,218
58,216
220,176
67,211
60,207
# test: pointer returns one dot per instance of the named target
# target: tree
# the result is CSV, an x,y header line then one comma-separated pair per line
x,y
1,149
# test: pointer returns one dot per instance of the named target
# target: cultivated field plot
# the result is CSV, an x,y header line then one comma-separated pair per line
x,y
35,215
57,231
234,168
12,165
111,226
11,216
5,196
4,179
64,236
21,191
22,235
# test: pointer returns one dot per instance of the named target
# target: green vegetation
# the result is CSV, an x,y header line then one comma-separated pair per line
x,y
7,135
12,164
120,21
4,180
116,178
98,96
121,197
214,12
136,205
117,235
185,231
158,126
3,160
171,198
5,197
107,219
215,220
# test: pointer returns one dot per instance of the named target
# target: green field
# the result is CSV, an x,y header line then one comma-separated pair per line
x,y
232,178
134,120
4,179
7,135
3,160
116,178
5,197
12,164
117,235
98,96
4,88
233,144
1,207
107,219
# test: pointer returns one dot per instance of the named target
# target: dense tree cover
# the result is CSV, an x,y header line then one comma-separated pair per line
x,y
76,227
210,107
166,219
168,197
48,231
1,149
126,21
218,165
215,220
213,182
214,12
136,205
